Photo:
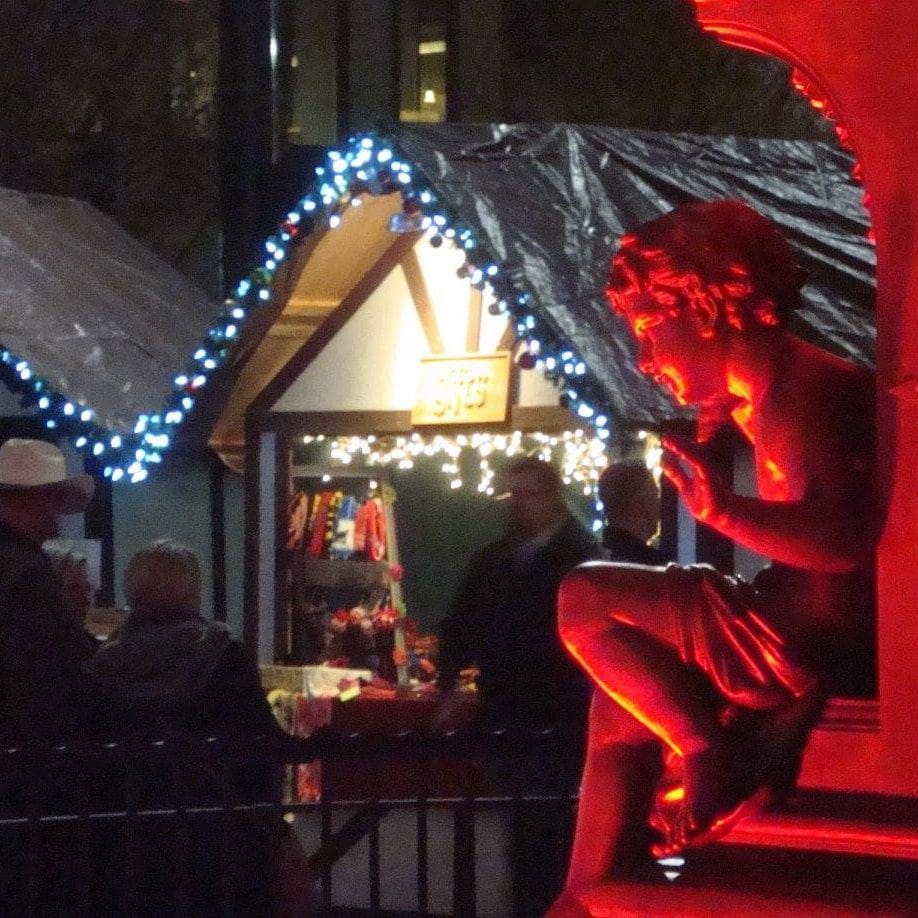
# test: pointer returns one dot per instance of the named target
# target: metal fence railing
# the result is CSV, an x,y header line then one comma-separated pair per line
x,y
166,824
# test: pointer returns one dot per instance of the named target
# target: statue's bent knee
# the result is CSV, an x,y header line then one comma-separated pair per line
x,y
580,606
587,598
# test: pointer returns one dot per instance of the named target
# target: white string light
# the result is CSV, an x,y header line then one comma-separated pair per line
x,y
580,456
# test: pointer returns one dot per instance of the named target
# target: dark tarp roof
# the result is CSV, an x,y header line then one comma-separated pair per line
x,y
108,324
551,201
98,316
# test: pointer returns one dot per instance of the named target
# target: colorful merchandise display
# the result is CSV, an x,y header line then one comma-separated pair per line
x,y
332,524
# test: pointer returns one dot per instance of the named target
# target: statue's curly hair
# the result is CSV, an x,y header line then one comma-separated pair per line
x,y
722,258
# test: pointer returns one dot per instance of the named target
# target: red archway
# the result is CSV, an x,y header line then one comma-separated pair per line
x,y
861,58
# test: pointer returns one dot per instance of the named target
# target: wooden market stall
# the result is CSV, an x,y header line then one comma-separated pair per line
x,y
381,344
380,336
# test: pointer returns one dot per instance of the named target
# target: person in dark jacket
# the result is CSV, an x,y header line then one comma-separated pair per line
x,y
43,692
169,664
503,620
185,677
630,498
45,697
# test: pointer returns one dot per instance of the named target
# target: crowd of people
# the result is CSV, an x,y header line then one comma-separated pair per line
x,y
171,672
168,673
167,664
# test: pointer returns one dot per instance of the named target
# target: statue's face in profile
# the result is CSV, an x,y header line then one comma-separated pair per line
x,y
674,348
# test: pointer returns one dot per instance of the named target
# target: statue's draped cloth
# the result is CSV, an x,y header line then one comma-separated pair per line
x,y
722,630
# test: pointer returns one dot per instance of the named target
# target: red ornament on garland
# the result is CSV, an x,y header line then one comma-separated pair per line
x,y
526,360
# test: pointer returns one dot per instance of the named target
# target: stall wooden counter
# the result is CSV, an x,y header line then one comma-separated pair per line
x,y
385,773
395,775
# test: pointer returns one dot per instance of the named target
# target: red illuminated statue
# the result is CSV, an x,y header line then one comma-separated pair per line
x,y
723,676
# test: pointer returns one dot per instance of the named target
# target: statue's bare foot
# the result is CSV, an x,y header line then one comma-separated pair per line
x,y
715,780
758,801
718,791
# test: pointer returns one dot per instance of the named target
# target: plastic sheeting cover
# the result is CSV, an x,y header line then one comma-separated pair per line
x,y
551,203
101,318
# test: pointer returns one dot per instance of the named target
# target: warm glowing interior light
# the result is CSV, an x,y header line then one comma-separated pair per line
x,y
432,47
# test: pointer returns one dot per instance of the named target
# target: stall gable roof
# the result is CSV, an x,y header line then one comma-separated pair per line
x,y
363,356
93,324
539,210
421,310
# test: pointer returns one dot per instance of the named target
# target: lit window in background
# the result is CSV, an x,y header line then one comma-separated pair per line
x,y
423,64
305,52
431,47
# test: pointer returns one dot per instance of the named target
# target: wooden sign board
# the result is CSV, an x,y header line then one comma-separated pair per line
x,y
473,389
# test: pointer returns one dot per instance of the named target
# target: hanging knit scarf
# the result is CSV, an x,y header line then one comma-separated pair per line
x,y
318,525
370,530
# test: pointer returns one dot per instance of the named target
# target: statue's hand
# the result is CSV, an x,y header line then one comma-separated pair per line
x,y
701,488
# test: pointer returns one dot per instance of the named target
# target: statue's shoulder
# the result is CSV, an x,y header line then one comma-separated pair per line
x,y
823,390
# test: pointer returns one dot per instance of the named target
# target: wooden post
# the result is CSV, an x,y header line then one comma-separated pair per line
x,y
395,587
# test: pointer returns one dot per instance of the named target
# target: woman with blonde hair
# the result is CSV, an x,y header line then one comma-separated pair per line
x,y
169,661
185,675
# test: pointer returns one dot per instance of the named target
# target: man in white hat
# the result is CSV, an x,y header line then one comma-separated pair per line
x,y
43,691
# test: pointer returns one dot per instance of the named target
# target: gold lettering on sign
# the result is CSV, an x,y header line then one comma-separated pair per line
x,y
458,389
463,390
